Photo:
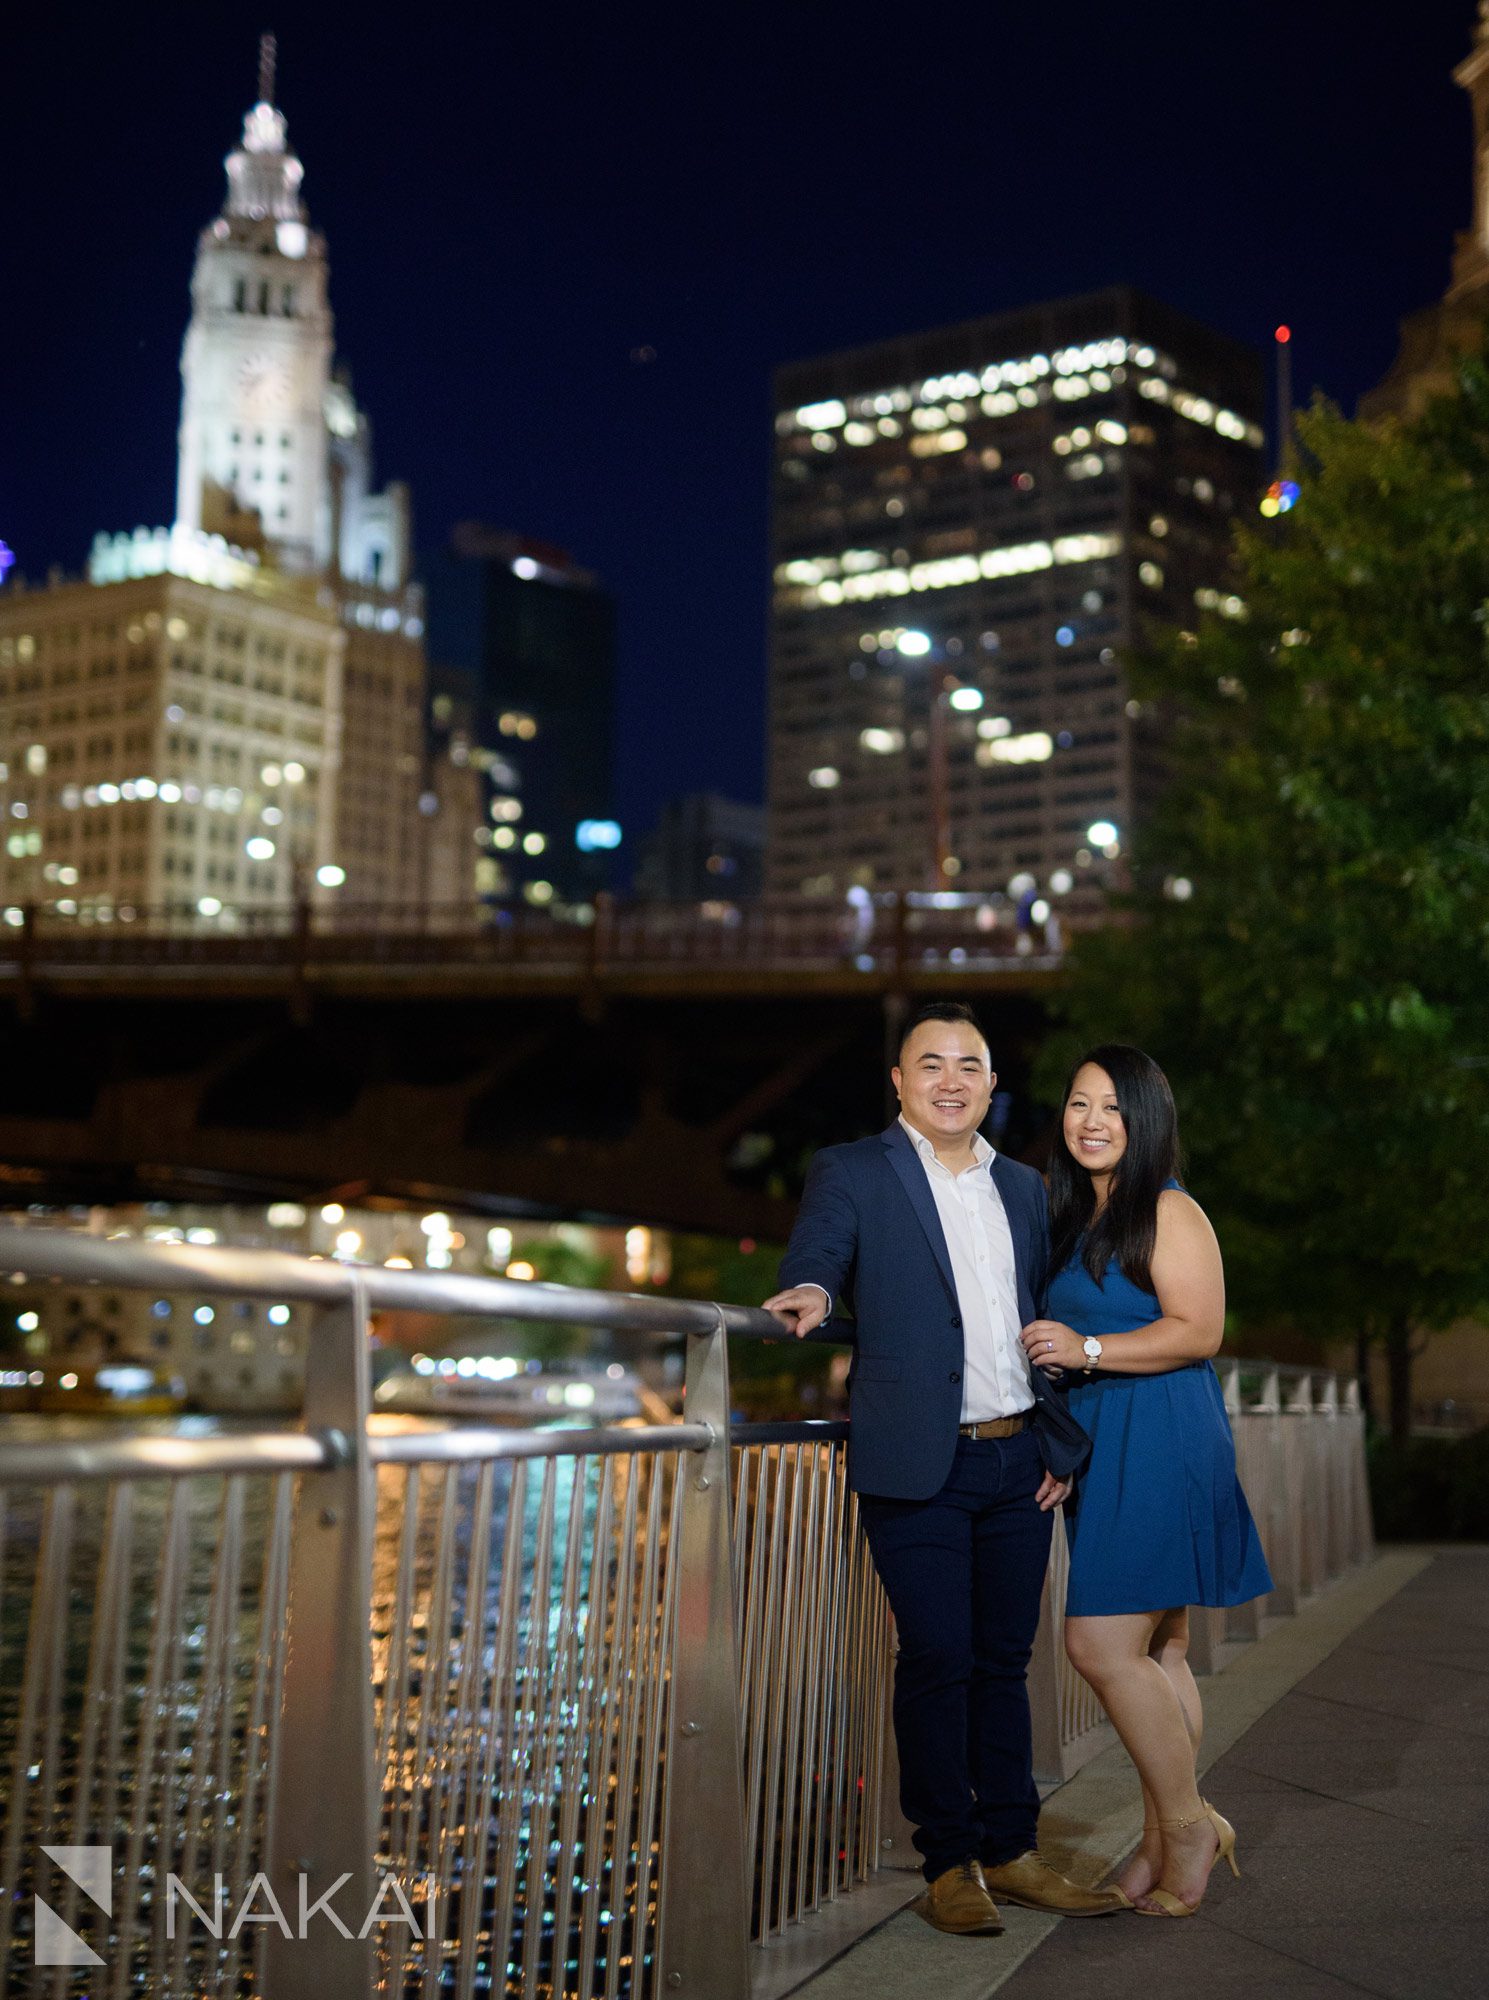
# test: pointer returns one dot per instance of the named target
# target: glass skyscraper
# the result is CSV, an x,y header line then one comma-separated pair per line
x,y
972,529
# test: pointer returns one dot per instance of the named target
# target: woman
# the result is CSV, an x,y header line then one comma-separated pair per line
x,y
1158,1520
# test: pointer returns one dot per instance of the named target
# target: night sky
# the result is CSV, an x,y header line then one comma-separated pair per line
x,y
517,199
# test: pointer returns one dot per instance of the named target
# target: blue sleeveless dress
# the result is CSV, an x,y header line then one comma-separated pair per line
x,y
1157,1518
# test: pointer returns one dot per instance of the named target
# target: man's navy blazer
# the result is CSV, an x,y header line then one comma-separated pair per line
x,y
868,1230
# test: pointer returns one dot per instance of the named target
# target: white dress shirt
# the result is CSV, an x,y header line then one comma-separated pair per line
x,y
995,1374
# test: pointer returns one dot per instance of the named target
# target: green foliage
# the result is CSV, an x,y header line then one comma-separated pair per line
x,y
773,1379
1320,1001
1430,1488
556,1261
720,1267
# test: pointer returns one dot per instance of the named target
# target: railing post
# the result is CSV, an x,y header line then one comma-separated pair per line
x,y
1280,1529
26,964
1298,1406
704,1907
324,1796
1241,1621
1361,1524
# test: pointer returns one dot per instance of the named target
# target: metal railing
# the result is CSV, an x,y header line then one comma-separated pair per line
x,y
584,1713
889,934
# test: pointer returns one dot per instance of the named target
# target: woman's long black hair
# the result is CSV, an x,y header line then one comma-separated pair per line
x,y
1128,1225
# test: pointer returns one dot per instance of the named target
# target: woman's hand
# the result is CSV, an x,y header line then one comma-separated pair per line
x,y
1052,1345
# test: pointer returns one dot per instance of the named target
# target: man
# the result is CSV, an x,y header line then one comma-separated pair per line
x,y
957,1450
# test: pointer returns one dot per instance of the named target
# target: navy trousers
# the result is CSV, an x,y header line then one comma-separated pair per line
x,y
963,1572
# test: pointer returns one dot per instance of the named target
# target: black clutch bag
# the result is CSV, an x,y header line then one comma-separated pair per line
x,y
1066,1446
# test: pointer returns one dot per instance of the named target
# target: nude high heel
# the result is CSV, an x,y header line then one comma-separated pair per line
x,y
1169,1904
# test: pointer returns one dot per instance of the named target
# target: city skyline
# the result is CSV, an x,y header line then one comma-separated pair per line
x,y
637,428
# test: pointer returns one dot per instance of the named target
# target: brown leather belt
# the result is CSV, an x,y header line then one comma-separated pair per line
x,y
997,1427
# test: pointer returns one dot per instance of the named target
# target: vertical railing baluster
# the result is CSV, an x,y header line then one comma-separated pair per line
x,y
263,1703
643,1612
538,1721
578,1698
506,1695
170,1591
208,1779
40,1694
755,1670
108,1608
322,1831
394,1762
648,1847
431,1751
777,1778
703,1913
602,1763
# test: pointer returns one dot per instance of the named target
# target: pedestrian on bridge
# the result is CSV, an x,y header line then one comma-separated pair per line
x,y
959,1450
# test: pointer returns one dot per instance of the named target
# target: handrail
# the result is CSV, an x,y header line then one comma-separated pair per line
x,y
471,1446
48,1462
275,1274
804,1430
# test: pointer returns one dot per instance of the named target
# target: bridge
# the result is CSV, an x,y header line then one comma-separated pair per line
x,y
602,1714
693,1056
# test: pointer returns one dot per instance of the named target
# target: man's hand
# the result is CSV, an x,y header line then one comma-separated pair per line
x,y
1052,1491
801,1310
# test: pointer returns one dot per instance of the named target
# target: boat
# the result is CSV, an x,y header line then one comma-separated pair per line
x,y
505,1392
106,1389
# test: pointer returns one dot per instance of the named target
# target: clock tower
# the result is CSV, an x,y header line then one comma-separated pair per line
x,y
256,364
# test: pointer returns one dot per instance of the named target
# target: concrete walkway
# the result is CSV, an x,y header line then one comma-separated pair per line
x,y
1350,1747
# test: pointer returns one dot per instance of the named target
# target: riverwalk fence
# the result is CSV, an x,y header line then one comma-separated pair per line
x,y
344,1710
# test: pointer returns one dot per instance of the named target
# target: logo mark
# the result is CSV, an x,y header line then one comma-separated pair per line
x,y
91,1868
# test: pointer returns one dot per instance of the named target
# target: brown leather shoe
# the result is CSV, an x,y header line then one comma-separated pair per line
x,y
1031,1881
958,1901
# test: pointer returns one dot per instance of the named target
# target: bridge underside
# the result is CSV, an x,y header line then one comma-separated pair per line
x,y
694,1109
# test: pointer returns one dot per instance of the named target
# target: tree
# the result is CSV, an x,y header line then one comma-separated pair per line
x,y
1306,942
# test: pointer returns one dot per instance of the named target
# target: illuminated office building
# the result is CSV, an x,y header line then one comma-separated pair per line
x,y
534,635
703,849
459,867
229,714
381,832
171,739
972,529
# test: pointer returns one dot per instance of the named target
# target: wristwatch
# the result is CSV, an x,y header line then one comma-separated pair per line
x,y
1091,1347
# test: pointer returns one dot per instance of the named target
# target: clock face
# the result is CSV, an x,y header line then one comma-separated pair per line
x,y
261,379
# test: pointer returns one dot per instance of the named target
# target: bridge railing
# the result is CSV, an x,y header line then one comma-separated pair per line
x,y
885,933
597,1713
